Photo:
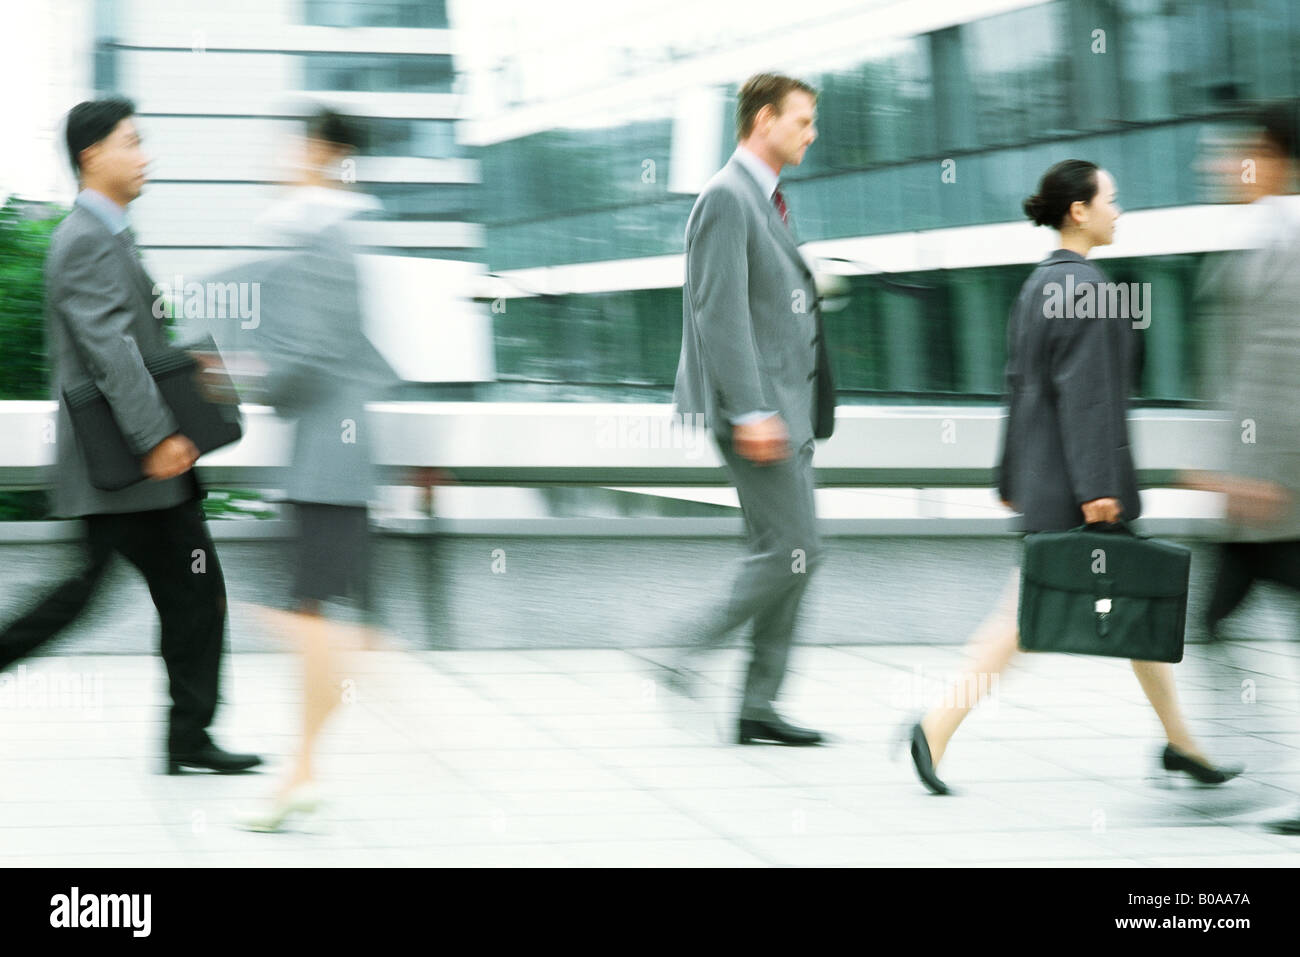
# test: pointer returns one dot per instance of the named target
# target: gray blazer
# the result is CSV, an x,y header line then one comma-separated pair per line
x,y
751,323
99,323
1065,440
323,369
1248,302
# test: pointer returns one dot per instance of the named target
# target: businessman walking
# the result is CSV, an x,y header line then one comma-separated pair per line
x,y
754,363
100,323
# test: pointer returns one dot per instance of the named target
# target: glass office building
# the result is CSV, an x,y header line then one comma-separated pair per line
x,y
946,129
219,93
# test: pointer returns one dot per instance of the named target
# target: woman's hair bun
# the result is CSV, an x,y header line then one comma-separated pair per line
x,y
1068,182
1034,209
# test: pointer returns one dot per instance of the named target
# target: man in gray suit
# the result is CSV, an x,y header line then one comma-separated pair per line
x,y
754,363
100,323
1249,301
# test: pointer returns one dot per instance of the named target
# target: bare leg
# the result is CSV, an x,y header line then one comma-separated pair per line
x,y
320,693
1157,680
991,649
314,636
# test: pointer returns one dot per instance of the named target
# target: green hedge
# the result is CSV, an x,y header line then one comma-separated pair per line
x,y
24,361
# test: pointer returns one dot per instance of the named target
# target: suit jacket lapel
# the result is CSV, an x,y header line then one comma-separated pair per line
x,y
143,281
784,234
135,265
130,262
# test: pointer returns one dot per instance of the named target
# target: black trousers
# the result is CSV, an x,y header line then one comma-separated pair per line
x,y
173,550
1241,564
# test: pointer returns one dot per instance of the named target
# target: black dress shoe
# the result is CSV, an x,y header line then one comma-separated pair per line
x,y
776,731
923,763
211,758
1174,760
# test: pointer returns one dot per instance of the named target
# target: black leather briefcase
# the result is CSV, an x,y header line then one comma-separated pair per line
x,y
208,424
1103,590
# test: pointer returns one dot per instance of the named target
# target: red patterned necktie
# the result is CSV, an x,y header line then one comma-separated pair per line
x,y
780,206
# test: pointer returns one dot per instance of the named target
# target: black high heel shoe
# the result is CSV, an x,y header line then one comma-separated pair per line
x,y
921,759
1174,760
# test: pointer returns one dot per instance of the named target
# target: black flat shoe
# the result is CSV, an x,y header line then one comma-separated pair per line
x,y
1173,761
922,762
211,758
778,732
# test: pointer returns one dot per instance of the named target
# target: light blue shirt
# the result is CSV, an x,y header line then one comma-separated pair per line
x,y
107,211
767,181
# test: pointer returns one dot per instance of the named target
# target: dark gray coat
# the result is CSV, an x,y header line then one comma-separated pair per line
x,y
1065,440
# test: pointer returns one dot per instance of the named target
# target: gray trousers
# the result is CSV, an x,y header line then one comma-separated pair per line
x,y
781,527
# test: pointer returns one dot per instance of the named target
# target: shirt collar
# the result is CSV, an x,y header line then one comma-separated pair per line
x,y
767,180
104,209
1066,254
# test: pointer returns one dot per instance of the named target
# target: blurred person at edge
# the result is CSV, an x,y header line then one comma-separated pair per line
x,y
100,323
1250,306
1065,452
321,371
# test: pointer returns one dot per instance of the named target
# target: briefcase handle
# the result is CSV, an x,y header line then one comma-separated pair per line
x,y
1120,526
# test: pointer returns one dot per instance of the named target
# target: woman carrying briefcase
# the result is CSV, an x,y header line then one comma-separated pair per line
x,y
1065,458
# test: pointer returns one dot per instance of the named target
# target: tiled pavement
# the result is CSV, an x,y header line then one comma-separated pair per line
x,y
519,758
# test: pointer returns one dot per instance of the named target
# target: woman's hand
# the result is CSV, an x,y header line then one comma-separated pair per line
x,y
1101,510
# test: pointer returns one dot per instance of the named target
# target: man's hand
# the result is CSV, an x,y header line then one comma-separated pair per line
x,y
216,378
173,456
1255,502
1101,510
762,442
1200,480
1249,501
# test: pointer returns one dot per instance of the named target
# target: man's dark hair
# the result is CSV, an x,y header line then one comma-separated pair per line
x,y
91,122
334,128
759,91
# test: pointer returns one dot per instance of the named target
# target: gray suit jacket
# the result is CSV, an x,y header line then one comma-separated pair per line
x,y
323,368
1065,440
1252,349
751,323
99,323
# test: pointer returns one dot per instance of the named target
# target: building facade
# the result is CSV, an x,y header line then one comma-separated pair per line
x,y
935,121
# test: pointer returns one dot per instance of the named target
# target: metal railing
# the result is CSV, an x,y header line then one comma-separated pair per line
x,y
615,444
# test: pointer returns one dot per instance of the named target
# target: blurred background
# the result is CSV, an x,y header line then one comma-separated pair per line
x,y
536,164
560,146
